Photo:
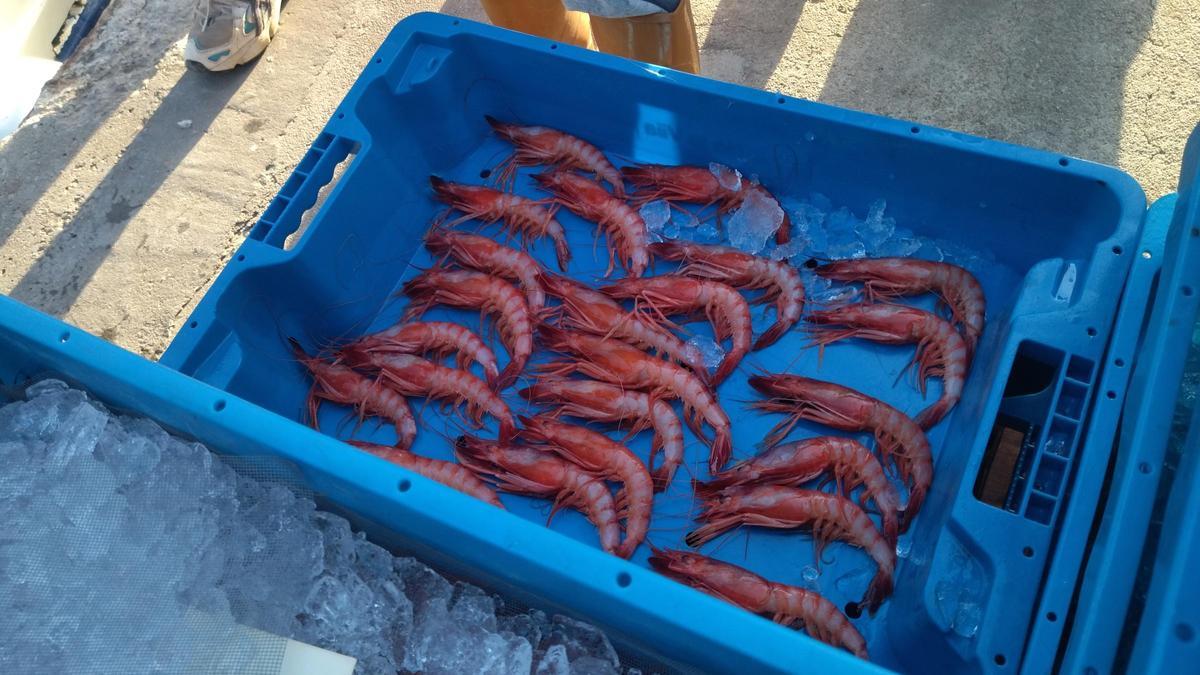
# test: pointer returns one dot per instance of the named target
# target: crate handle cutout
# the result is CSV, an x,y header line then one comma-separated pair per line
x,y
1026,466
289,215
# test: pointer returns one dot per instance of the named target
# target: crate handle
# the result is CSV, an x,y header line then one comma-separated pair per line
x,y
299,201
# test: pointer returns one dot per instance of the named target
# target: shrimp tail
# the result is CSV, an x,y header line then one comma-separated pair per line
x,y
784,234
711,530
722,450
930,416
772,335
562,252
508,375
728,364
879,589
916,498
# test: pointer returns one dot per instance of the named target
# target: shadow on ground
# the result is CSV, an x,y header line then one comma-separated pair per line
x,y
771,22
65,266
1011,70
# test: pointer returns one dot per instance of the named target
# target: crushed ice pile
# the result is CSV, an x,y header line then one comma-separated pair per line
x,y
819,230
118,534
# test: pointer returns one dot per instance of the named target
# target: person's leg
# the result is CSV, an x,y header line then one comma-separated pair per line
x,y
668,39
545,18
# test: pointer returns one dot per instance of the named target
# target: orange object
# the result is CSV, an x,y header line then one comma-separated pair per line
x,y
544,18
665,39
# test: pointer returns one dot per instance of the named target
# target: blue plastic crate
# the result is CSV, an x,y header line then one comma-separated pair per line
x,y
418,109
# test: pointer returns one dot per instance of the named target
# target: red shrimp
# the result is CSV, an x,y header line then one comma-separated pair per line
x,y
447,473
486,293
892,277
592,400
439,339
594,312
543,145
522,217
941,351
523,470
617,363
779,280
830,517
624,226
787,605
597,453
485,255
897,437
414,376
850,464
723,306
700,185
339,384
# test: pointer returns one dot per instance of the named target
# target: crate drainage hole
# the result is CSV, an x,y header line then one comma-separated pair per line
x,y
782,99
1110,394
241,258
553,46
1187,291
193,324
1000,660
1117,250
1064,161
1051,616
1027,552
1184,632
219,405
853,610
1091,332
623,579
378,60
404,485
915,130
1144,467
484,173
64,337
1120,363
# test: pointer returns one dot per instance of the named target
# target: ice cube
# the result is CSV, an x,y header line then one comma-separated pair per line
x,y
928,251
655,214
670,230
581,640
685,219
707,232
795,251
710,351
727,178
967,618
820,202
530,625
903,547
897,247
810,578
590,665
821,291
876,229
842,239
473,607
372,562
755,221
554,662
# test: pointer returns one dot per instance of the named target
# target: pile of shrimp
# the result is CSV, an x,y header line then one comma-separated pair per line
x,y
612,359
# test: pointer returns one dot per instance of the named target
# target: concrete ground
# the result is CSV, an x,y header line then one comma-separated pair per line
x,y
134,179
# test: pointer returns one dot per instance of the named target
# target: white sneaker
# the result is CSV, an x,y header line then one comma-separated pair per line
x,y
228,33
